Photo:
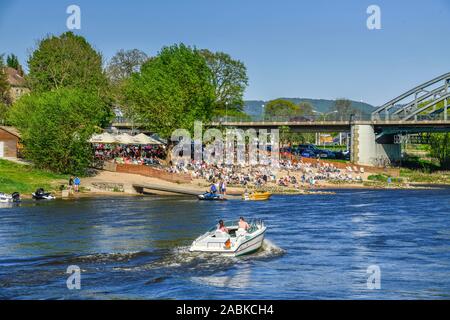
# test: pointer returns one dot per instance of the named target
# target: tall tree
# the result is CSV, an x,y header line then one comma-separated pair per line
x,y
306,108
229,79
343,107
172,90
440,148
66,61
12,61
57,126
119,69
124,63
4,84
281,108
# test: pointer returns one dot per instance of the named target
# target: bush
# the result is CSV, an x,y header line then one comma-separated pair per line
x,y
383,178
55,128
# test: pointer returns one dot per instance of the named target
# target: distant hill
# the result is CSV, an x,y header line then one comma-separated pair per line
x,y
255,107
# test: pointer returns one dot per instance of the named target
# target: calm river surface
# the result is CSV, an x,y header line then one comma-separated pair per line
x,y
318,247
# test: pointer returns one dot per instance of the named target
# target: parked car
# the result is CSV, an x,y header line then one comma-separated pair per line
x,y
308,154
325,154
306,147
301,119
339,155
346,155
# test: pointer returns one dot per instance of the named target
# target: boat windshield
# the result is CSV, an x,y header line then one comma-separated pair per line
x,y
253,223
228,224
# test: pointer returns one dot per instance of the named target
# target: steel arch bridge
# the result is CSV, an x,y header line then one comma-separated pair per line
x,y
419,103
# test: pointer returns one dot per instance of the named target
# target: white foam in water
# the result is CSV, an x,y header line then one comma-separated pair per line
x,y
360,205
180,257
269,249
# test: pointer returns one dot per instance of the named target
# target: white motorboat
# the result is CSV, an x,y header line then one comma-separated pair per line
x,y
235,243
40,194
5,198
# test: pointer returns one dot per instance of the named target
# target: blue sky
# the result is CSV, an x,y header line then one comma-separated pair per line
x,y
292,48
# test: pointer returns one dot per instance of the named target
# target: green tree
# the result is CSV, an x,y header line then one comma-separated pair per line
x,y
3,112
172,90
440,148
4,84
12,61
306,108
119,69
288,137
281,108
229,79
343,107
124,63
66,61
57,127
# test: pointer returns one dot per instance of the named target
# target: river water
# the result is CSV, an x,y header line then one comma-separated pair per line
x,y
317,247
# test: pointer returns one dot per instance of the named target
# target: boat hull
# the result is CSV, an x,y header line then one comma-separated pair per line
x,y
42,197
211,197
257,196
251,244
7,198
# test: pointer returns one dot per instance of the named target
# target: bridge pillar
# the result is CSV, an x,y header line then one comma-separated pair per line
x,y
366,151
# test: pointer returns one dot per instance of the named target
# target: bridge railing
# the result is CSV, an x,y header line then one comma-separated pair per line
x,y
302,118
423,100
431,116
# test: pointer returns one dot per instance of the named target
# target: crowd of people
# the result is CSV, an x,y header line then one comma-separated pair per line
x,y
128,154
288,173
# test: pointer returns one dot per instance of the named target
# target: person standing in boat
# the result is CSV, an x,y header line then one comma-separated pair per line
x,y
243,224
221,227
213,188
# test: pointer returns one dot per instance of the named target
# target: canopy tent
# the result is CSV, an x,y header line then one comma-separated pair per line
x,y
125,138
145,140
105,137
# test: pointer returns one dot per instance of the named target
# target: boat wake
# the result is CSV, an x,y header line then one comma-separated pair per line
x,y
181,259
98,258
268,250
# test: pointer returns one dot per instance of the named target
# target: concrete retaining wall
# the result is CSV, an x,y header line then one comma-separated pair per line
x,y
366,151
153,173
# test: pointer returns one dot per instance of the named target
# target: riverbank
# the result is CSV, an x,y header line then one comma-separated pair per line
x,y
16,177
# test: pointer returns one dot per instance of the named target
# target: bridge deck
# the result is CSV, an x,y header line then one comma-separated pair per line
x,y
324,125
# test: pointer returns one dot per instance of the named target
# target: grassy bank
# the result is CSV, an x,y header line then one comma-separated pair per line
x,y
26,179
439,177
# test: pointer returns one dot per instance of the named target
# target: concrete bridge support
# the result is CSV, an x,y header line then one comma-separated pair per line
x,y
366,151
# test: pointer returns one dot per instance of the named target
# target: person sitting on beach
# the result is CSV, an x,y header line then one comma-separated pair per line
x,y
213,188
221,227
243,224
